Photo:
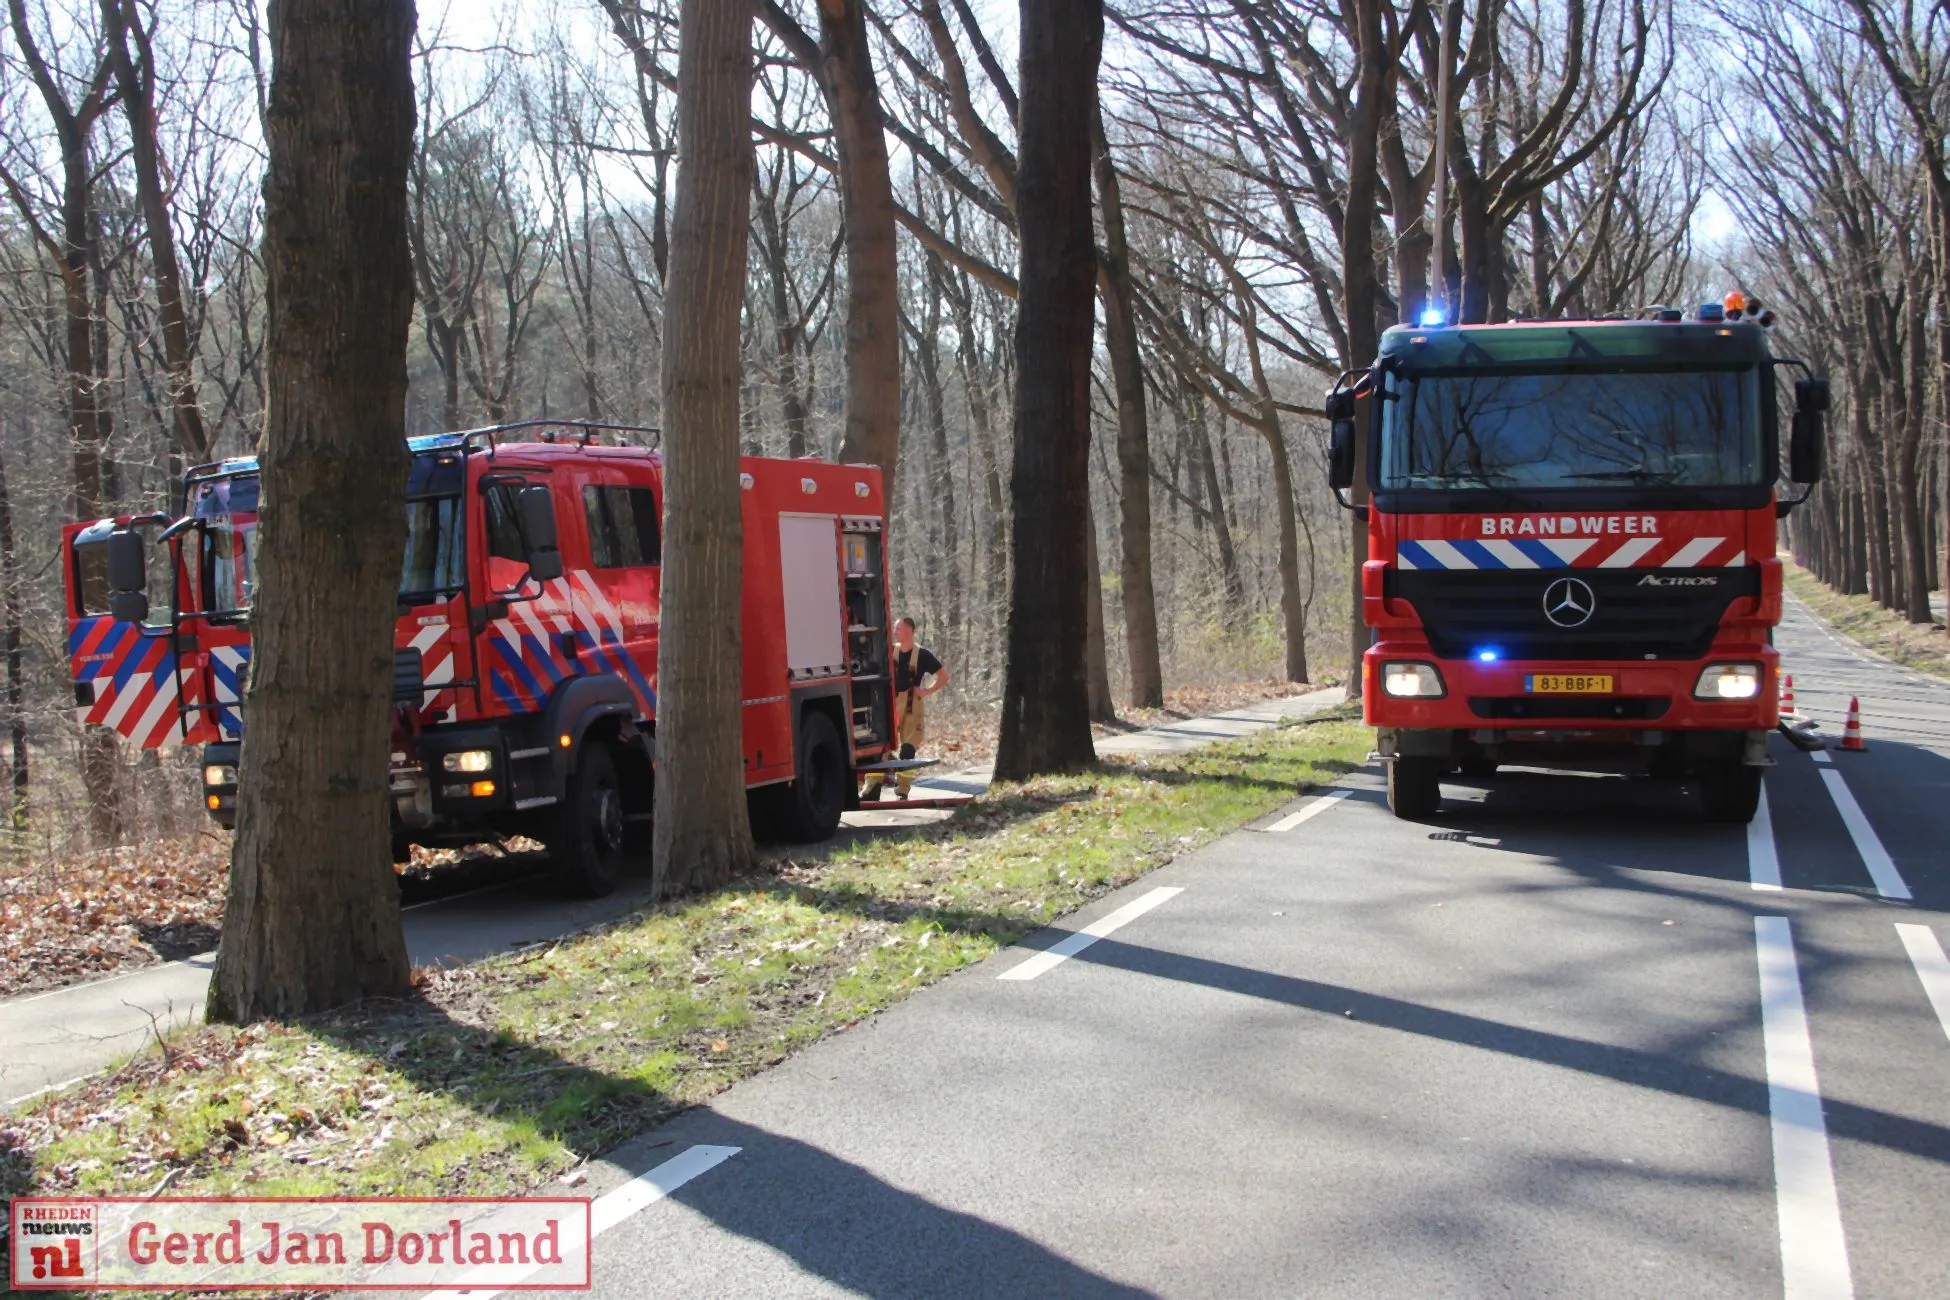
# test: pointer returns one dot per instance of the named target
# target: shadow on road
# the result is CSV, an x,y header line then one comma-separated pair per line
x,y
833,1218
1669,1073
840,1221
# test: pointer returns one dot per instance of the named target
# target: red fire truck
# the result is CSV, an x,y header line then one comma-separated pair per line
x,y
1571,555
525,670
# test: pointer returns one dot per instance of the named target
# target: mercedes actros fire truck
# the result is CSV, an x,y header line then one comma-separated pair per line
x,y
1571,546
524,679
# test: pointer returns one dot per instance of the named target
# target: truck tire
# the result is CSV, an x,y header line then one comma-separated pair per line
x,y
587,847
1729,791
1415,787
808,808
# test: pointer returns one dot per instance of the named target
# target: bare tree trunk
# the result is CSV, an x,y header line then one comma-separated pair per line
x,y
16,693
995,542
843,62
312,918
944,553
703,832
135,76
1361,288
74,247
1293,610
1133,438
1096,657
1045,702
1204,470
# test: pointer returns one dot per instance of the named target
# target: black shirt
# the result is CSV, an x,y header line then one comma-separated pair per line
x,y
925,662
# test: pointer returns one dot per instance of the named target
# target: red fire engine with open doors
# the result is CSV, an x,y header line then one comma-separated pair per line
x,y
525,667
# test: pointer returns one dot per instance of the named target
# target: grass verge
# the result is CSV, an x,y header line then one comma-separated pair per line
x,y
503,1075
1923,647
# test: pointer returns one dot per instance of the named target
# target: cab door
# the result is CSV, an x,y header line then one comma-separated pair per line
x,y
619,596
126,676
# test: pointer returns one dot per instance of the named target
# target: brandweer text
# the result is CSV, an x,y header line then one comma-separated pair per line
x,y
1568,525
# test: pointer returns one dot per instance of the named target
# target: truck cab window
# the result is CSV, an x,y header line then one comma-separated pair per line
x,y
229,546
503,523
91,578
435,561
623,526
226,566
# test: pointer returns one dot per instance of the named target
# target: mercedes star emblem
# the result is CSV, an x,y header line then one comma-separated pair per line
x,y
1568,602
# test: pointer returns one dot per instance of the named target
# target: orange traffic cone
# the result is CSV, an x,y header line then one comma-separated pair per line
x,y
1787,695
1852,730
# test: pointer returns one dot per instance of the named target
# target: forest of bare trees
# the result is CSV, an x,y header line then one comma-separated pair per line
x,y
1266,202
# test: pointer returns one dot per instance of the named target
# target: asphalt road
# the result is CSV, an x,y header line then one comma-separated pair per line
x,y
53,1038
1565,1040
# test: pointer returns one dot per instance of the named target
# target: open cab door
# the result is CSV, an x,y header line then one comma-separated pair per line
x,y
128,665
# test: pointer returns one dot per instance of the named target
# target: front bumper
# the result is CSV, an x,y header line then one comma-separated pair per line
x,y
1491,698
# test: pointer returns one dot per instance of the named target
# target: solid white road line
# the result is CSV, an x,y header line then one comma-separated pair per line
x,y
1312,810
1932,967
1050,958
1763,863
52,1087
1882,868
633,1197
1814,1253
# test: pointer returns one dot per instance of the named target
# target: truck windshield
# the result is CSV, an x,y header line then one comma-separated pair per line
x,y
433,568
1573,429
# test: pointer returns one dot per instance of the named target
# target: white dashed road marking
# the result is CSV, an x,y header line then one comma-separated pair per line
x,y
1312,810
1814,1253
1763,863
1882,868
633,1197
1050,958
1932,967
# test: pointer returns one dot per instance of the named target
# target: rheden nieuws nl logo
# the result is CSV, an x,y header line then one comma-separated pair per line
x,y
52,1243
329,1243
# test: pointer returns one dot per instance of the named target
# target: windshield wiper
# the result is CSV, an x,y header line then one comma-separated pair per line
x,y
1626,476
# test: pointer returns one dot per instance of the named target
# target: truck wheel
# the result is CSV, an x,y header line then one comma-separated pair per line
x,y
1414,787
809,808
1729,791
587,846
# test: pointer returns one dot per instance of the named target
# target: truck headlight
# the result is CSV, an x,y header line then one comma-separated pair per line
x,y
219,774
1729,682
1411,681
468,760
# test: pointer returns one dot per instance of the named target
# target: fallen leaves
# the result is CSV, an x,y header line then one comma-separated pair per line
x,y
78,919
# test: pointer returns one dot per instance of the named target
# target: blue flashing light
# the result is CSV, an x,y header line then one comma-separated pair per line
x,y
1432,317
1488,655
1712,311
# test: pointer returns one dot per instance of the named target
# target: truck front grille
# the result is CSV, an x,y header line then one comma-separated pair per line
x,y
1636,613
1631,708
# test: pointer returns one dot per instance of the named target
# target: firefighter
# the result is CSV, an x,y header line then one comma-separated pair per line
x,y
917,675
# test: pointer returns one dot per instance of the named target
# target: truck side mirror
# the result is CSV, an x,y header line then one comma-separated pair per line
x,y
1340,454
537,512
1805,441
1340,404
1810,395
128,578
